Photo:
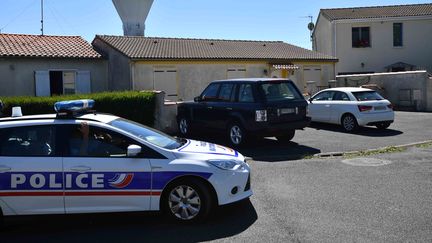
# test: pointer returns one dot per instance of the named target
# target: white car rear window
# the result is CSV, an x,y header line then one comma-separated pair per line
x,y
367,95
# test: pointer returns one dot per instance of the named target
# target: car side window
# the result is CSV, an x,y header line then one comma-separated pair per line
x,y
245,93
323,96
340,96
210,93
99,143
28,141
225,92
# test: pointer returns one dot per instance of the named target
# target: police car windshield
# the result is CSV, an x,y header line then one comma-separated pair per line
x,y
149,134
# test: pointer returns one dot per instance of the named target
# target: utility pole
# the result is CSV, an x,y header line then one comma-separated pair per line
x,y
42,18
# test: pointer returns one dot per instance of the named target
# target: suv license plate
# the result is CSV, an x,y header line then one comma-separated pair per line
x,y
380,108
287,111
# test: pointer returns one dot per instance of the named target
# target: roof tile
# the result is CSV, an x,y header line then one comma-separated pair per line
x,y
136,47
378,11
18,45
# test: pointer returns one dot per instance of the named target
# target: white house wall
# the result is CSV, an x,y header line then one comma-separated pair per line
x,y
192,77
416,50
323,36
17,75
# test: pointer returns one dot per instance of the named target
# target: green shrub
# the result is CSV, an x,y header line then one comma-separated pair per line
x,y
133,105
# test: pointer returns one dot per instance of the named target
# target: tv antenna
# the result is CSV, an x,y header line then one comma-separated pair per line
x,y
42,18
310,26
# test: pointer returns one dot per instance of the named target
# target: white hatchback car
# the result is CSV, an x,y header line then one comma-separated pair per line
x,y
86,162
351,108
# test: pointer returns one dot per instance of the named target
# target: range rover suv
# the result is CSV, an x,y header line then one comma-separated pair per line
x,y
246,108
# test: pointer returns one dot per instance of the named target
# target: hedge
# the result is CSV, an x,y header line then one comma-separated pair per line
x,y
138,106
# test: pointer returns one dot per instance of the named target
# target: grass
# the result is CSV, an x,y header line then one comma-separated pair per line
x,y
424,145
385,150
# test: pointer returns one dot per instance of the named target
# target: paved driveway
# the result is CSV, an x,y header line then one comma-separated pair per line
x,y
409,127
316,200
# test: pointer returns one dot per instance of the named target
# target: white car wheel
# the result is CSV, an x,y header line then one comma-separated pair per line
x,y
349,123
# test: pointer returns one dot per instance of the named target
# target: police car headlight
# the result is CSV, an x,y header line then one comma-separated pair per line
x,y
227,164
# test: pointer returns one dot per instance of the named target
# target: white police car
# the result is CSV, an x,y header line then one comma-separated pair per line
x,y
83,162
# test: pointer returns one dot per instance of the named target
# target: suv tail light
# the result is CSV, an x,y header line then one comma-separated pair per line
x,y
261,115
363,108
390,106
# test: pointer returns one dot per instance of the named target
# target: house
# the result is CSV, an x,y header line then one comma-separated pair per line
x,y
183,67
42,65
376,39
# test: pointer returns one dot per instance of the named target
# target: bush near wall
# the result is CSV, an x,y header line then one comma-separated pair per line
x,y
138,106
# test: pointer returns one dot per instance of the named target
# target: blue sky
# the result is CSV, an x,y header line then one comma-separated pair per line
x,y
282,20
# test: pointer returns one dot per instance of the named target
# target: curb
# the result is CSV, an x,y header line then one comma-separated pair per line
x,y
340,154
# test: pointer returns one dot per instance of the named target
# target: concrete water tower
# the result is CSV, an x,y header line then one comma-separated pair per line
x,y
133,14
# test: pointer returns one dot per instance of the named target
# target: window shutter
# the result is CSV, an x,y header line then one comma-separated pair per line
x,y
83,83
42,83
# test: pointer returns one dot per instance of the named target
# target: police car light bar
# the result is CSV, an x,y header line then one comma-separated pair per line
x,y
73,105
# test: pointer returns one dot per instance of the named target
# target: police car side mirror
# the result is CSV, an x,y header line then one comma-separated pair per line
x,y
133,150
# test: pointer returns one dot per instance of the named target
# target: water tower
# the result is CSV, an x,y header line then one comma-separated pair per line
x,y
133,14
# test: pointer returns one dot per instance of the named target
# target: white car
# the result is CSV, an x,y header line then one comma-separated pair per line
x,y
82,162
351,108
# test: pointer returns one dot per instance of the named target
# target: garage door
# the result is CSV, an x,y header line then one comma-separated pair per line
x,y
166,80
312,73
236,73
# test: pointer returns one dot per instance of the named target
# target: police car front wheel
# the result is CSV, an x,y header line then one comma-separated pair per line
x,y
187,200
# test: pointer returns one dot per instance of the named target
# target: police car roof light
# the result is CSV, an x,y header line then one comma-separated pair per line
x,y
72,106
16,111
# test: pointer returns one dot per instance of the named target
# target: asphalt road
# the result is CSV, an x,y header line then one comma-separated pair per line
x,y
317,200
409,127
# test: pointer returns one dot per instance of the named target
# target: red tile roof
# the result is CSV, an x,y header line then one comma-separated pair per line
x,y
18,45
136,47
378,12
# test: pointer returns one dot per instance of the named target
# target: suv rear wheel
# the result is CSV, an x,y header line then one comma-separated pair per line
x,y
286,137
236,134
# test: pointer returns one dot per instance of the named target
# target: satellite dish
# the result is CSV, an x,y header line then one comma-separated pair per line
x,y
311,26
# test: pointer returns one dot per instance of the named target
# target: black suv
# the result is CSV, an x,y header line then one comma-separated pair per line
x,y
245,108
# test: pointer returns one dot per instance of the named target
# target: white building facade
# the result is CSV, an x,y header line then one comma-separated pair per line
x,y
376,39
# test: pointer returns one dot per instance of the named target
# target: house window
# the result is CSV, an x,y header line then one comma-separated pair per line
x,y
360,37
50,83
397,34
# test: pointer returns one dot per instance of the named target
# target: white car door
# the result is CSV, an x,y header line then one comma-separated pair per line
x,y
319,106
340,104
31,180
100,177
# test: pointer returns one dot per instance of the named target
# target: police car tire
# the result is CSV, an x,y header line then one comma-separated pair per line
x,y
204,195
1,219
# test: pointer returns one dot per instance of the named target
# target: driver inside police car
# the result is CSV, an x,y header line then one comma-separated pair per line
x,y
79,141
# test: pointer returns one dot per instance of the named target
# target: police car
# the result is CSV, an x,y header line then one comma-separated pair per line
x,y
78,161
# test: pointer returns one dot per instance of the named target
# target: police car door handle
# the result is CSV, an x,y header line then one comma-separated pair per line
x,y
4,168
80,168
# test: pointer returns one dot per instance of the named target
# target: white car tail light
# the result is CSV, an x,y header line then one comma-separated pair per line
x,y
363,108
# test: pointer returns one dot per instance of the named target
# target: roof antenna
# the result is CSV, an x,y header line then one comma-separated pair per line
x,y
42,18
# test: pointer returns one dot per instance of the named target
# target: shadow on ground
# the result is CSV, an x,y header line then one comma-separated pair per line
x,y
266,149
363,131
134,227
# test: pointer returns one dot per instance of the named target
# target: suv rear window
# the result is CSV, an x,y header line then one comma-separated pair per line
x,y
367,95
278,91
